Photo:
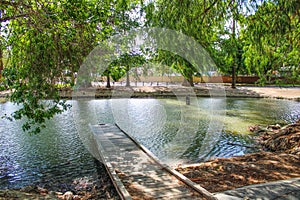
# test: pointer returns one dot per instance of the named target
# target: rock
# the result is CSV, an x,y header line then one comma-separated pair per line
x,y
58,193
52,193
68,196
274,127
256,128
42,190
76,197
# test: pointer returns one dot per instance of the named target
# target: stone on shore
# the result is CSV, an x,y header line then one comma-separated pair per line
x,y
68,196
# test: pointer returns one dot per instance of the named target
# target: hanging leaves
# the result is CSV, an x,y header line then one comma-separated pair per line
x,y
271,43
47,41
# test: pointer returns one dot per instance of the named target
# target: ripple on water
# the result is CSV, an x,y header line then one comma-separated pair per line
x,y
57,156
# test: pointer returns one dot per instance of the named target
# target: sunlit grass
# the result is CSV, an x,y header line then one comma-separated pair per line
x,y
3,100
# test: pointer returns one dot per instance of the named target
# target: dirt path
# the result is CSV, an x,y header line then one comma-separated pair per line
x,y
229,173
276,92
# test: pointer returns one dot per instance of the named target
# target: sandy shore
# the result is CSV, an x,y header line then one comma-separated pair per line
x,y
292,93
276,92
199,90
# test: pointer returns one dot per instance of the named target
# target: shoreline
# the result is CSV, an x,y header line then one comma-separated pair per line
x,y
278,159
216,175
98,186
224,174
211,90
162,92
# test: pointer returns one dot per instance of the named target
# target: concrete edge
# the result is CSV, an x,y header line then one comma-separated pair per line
x,y
287,181
227,196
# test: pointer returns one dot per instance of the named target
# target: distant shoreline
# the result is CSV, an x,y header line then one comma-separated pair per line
x,y
289,93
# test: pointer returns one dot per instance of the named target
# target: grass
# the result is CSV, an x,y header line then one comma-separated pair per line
x,y
3,100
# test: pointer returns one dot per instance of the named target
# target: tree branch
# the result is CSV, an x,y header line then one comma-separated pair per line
x,y
4,19
14,4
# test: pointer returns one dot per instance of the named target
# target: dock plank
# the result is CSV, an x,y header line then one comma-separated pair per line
x,y
136,171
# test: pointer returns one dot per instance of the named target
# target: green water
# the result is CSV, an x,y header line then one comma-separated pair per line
x,y
176,132
169,128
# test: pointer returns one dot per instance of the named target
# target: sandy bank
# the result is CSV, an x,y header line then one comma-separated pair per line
x,y
292,93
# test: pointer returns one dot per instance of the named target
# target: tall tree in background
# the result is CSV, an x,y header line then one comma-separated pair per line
x,y
1,47
197,19
229,52
272,36
211,23
1,60
234,13
127,18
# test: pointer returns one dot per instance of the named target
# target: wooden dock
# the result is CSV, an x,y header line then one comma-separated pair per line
x,y
137,173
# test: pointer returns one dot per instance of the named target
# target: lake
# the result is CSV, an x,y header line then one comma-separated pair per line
x,y
173,131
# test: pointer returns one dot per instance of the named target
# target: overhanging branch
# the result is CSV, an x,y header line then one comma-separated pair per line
x,y
4,19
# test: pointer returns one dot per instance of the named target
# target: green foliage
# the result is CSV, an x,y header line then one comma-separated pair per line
x,y
118,68
196,19
176,62
45,39
41,40
62,85
257,37
207,23
130,60
271,38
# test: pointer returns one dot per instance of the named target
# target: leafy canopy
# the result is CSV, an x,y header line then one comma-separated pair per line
x,y
47,39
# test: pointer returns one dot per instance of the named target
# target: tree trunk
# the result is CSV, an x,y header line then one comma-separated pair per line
x,y
190,78
191,81
108,81
188,81
233,81
127,78
1,61
233,75
1,50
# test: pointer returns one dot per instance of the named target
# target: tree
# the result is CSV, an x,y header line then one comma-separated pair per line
x,y
178,63
233,75
197,19
125,18
47,38
128,60
272,38
223,56
207,22
1,60
115,71
1,47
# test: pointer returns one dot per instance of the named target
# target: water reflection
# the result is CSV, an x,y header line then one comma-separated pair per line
x,y
170,129
55,156
174,131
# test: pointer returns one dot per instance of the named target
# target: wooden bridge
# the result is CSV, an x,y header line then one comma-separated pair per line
x,y
137,173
